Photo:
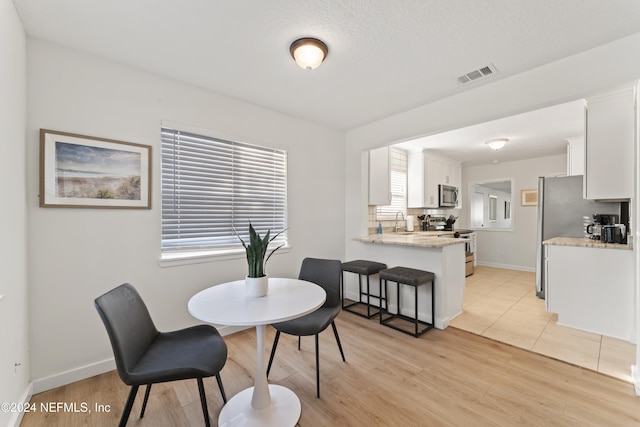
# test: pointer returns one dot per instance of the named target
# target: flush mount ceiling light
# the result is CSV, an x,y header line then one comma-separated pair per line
x,y
497,144
308,52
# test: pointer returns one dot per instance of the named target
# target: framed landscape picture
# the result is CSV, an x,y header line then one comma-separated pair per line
x,y
86,172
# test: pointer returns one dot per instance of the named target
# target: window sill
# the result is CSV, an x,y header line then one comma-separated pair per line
x,y
172,259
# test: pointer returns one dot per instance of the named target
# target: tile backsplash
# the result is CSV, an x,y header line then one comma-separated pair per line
x,y
389,225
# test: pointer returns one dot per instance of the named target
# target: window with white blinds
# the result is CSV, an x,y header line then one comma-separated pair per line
x,y
210,186
398,187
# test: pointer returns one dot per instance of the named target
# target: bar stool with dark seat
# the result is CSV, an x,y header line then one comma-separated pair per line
x,y
410,277
362,268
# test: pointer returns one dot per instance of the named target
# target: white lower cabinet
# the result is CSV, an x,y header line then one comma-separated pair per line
x,y
591,289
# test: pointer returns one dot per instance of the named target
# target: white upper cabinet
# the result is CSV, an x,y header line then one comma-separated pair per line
x,y
425,171
609,146
422,189
454,174
575,156
380,176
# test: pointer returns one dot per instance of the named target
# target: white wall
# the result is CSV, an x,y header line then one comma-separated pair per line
x,y
515,248
14,381
77,254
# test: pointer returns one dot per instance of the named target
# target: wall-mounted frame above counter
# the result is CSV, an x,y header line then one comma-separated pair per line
x,y
529,197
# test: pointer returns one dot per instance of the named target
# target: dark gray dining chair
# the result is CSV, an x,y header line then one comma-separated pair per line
x,y
144,355
326,273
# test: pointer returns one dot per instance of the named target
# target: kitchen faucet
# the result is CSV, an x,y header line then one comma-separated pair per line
x,y
399,212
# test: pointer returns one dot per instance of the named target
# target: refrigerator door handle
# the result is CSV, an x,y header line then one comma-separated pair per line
x,y
540,270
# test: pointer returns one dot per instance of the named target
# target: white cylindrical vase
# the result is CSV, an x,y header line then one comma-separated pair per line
x,y
256,287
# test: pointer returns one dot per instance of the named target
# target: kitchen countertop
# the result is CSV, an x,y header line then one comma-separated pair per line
x,y
583,242
424,239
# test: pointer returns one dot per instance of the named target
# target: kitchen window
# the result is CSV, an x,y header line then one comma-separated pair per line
x,y
398,187
210,186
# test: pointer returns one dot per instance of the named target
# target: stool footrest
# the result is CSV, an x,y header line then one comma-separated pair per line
x,y
366,308
391,317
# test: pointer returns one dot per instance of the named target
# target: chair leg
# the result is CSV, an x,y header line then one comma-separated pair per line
x,y
299,339
342,288
128,406
146,398
224,396
335,332
273,351
317,368
203,400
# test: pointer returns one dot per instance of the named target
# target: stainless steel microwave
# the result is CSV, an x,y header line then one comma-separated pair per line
x,y
447,196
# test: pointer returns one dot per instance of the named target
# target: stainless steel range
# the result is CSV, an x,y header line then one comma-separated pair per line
x,y
469,246
434,223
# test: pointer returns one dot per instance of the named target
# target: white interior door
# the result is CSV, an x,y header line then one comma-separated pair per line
x,y
477,210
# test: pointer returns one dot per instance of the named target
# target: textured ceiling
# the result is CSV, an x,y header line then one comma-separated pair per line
x,y
534,134
385,57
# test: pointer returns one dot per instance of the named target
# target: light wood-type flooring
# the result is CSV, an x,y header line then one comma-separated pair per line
x,y
443,378
501,304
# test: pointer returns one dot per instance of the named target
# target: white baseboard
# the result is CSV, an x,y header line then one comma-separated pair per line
x,y
16,418
73,375
507,266
635,377
93,369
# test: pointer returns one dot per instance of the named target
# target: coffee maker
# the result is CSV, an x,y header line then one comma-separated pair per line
x,y
606,219
615,233
594,231
599,222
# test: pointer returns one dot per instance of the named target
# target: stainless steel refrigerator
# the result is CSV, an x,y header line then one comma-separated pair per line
x,y
562,212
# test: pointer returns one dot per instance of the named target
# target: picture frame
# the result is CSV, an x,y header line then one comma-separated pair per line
x,y
529,197
79,171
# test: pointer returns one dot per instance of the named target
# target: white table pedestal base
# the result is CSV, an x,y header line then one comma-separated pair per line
x,y
262,405
284,409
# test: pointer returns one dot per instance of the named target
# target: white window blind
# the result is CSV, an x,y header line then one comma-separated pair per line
x,y
398,187
210,185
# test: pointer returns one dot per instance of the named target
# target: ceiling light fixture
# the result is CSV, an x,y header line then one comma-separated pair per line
x,y
497,144
308,52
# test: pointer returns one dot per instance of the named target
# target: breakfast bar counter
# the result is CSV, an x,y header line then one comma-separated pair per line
x,y
443,256
423,240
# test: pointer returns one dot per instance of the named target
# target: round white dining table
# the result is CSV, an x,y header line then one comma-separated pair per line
x,y
263,404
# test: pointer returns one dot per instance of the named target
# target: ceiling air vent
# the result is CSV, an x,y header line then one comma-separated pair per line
x,y
485,71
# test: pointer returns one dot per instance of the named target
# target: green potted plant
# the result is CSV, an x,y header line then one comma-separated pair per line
x,y
257,282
